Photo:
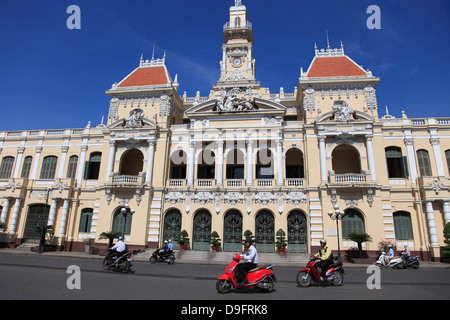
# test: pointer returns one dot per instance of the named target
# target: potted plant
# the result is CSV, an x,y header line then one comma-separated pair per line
x,y
89,245
183,241
247,234
215,241
281,241
446,251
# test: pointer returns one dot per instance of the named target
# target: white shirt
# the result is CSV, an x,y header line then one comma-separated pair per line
x,y
251,255
119,246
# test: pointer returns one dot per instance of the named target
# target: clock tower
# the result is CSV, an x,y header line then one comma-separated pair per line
x,y
237,65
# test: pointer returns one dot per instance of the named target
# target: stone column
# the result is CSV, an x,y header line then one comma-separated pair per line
x,y
36,162
62,225
411,159
81,165
280,180
323,159
20,151
191,164
249,162
219,181
150,159
62,163
12,227
6,208
110,167
370,157
431,224
437,156
51,216
446,209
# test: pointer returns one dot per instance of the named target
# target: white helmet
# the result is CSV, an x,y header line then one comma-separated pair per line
x,y
323,241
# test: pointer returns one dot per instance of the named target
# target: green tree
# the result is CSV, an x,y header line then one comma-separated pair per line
x,y
359,238
447,239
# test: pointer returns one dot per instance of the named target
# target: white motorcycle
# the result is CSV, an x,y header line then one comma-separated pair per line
x,y
384,262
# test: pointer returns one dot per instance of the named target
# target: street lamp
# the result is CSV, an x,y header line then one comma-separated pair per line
x,y
337,215
44,221
125,212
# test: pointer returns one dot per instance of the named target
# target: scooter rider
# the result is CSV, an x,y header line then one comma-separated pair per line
x,y
325,257
165,248
252,262
117,249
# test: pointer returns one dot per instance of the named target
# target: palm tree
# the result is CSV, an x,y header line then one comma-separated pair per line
x,y
110,235
359,238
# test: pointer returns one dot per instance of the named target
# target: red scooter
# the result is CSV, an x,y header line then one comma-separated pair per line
x,y
334,274
261,278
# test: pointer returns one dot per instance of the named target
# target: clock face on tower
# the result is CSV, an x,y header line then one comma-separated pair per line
x,y
237,62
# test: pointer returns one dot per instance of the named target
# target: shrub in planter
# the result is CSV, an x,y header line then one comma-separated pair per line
x,y
281,240
183,240
215,241
247,234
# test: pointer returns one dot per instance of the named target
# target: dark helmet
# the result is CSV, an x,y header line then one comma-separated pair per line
x,y
249,240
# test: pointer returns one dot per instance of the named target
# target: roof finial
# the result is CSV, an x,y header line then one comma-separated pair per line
x,y
328,41
153,54
237,3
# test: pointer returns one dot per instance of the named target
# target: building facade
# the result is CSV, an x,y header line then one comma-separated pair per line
x,y
240,159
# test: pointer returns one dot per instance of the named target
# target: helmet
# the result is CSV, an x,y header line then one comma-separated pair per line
x,y
249,240
323,241
170,240
120,238
165,241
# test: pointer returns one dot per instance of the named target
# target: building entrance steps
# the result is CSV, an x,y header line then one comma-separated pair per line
x,y
224,258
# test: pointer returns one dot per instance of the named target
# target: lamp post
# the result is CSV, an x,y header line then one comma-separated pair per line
x,y
125,212
337,215
44,220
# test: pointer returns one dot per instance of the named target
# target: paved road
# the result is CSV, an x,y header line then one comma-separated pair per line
x,y
40,277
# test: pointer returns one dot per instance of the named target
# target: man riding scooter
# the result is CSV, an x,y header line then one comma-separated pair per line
x,y
117,249
252,262
165,248
325,257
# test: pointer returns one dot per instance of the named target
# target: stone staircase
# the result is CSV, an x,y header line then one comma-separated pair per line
x,y
224,258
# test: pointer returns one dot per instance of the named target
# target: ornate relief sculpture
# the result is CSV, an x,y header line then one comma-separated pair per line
x,y
231,103
135,119
342,111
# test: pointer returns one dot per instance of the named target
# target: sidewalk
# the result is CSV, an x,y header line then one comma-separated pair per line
x,y
82,255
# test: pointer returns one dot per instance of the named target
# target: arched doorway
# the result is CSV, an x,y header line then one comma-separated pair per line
x,y
297,232
172,227
36,216
121,222
265,231
232,231
202,231
132,163
346,159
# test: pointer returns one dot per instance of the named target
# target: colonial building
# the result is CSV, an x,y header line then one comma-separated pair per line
x,y
242,158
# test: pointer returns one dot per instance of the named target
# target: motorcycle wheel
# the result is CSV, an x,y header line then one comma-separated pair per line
x,y
223,286
152,260
304,279
338,278
125,266
415,265
171,261
270,283
106,265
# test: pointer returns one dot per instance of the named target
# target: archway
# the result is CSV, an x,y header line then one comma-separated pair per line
x,y
172,227
297,232
265,231
232,231
346,159
37,214
132,163
202,231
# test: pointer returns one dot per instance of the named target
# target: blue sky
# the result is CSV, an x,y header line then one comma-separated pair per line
x,y
55,78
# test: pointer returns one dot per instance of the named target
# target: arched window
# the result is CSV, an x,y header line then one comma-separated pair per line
x,y
206,164
424,163
264,164
232,231
447,156
396,163
121,222
346,159
294,164
265,231
6,167
403,226
202,230
26,167
48,167
86,220
178,162
353,221
72,168
132,163
235,164
172,227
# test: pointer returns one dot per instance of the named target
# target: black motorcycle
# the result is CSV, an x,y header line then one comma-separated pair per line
x,y
168,257
122,262
411,262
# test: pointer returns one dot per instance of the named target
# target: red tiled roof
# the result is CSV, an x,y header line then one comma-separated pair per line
x,y
145,76
334,67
